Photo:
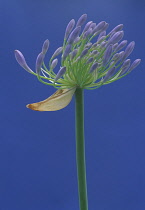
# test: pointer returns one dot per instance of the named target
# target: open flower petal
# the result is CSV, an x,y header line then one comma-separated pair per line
x,y
59,100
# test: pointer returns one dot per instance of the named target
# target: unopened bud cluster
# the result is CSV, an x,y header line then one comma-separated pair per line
x,y
84,63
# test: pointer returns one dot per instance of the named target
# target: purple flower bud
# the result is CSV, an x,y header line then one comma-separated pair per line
x,y
67,51
104,28
121,54
116,37
77,40
94,52
103,44
107,54
117,28
121,45
116,57
126,63
81,20
134,64
128,50
103,33
60,73
84,52
125,66
87,33
124,70
90,60
93,25
95,45
99,26
93,67
74,34
114,47
73,53
39,61
109,74
57,52
101,39
88,45
54,63
45,46
21,60
69,28
87,26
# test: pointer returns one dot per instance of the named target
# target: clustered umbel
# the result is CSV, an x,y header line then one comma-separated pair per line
x,y
85,64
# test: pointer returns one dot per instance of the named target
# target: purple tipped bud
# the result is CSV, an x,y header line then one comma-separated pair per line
x,y
104,28
121,45
94,52
88,45
116,37
116,57
125,66
60,73
117,28
126,63
84,52
93,67
103,33
21,60
109,74
99,26
93,25
74,34
77,40
107,54
114,47
134,64
81,20
103,44
39,61
90,60
95,45
73,53
67,51
54,63
57,52
128,50
69,28
101,39
121,54
124,70
87,26
87,33
45,46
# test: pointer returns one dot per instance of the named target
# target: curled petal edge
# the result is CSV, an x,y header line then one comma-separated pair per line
x,y
59,100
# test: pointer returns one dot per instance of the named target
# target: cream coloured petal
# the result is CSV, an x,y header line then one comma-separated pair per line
x,y
60,99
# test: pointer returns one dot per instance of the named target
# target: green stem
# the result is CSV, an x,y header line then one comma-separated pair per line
x,y
80,150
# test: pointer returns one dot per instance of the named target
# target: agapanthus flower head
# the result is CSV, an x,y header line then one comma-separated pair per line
x,y
85,64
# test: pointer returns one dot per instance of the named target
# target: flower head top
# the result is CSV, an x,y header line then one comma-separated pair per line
x,y
85,64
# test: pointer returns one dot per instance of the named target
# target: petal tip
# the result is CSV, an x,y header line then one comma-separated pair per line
x,y
32,106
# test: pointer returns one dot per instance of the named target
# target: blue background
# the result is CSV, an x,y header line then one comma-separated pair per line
x,y
37,149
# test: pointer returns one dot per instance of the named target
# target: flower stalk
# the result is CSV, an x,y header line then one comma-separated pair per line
x,y
80,149
84,65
